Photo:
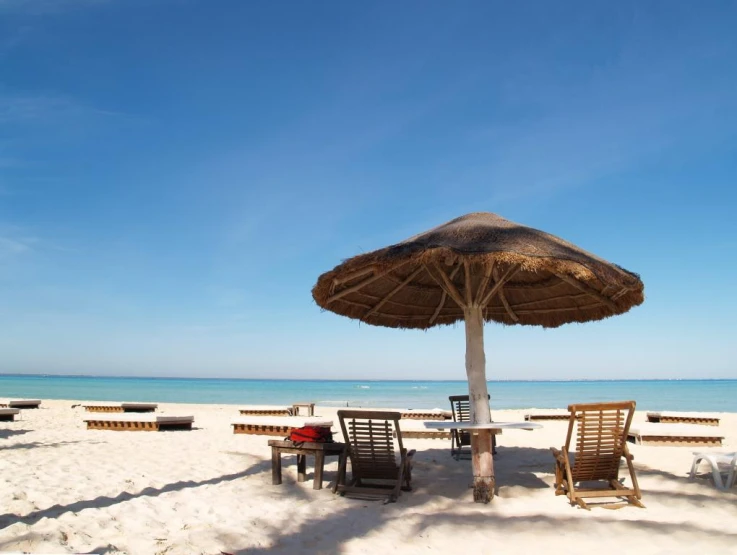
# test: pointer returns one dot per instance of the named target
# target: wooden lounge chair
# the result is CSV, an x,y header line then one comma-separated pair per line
x,y
461,411
601,443
419,414
370,447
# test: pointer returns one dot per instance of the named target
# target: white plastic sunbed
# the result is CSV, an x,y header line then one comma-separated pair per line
x,y
720,463
674,434
139,422
276,425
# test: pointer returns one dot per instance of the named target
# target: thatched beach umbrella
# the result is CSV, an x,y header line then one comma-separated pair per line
x,y
478,267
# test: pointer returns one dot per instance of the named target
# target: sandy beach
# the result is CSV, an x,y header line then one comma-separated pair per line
x,y
67,489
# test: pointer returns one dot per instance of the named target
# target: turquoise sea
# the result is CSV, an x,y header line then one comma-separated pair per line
x,y
677,395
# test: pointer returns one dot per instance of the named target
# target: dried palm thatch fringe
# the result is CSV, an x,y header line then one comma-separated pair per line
x,y
517,274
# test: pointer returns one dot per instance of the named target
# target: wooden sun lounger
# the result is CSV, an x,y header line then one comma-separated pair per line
x,y
122,407
8,415
139,422
600,445
675,435
548,415
21,404
419,414
267,411
683,418
276,425
415,429
376,473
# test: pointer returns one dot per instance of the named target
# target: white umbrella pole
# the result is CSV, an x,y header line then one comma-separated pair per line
x,y
482,461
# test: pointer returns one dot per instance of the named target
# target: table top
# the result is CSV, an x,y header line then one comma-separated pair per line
x,y
489,426
287,444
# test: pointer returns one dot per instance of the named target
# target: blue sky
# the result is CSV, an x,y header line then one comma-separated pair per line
x,y
174,176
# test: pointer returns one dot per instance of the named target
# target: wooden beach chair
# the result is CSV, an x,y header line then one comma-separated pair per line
x,y
370,447
601,443
461,412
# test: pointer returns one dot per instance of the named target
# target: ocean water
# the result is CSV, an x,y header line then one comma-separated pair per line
x,y
676,395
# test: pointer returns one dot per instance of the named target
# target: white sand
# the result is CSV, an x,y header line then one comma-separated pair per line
x,y
66,489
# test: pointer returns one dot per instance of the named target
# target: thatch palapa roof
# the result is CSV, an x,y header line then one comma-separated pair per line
x,y
517,274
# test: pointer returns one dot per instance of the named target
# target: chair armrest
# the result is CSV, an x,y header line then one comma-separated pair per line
x,y
559,455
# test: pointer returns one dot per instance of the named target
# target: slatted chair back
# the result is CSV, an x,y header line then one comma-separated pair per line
x,y
601,435
461,407
369,436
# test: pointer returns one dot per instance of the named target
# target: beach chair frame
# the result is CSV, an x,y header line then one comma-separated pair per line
x,y
601,444
460,407
375,473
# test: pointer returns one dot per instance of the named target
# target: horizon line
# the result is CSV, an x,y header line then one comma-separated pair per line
x,y
97,376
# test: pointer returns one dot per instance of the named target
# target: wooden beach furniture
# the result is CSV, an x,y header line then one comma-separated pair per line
x,y
601,444
683,418
8,415
649,433
461,412
139,422
21,404
549,414
376,473
266,410
424,414
122,407
720,463
415,429
276,425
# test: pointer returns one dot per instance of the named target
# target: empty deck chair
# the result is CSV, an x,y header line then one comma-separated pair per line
x,y
461,411
376,473
601,443
721,463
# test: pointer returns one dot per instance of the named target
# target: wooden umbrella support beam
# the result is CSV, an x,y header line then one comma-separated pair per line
x,y
481,458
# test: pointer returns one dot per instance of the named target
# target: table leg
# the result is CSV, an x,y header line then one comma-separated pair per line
x,y
319,466
275,466
301,468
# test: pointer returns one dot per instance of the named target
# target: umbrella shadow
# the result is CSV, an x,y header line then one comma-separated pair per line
x,y
105,501
5,434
